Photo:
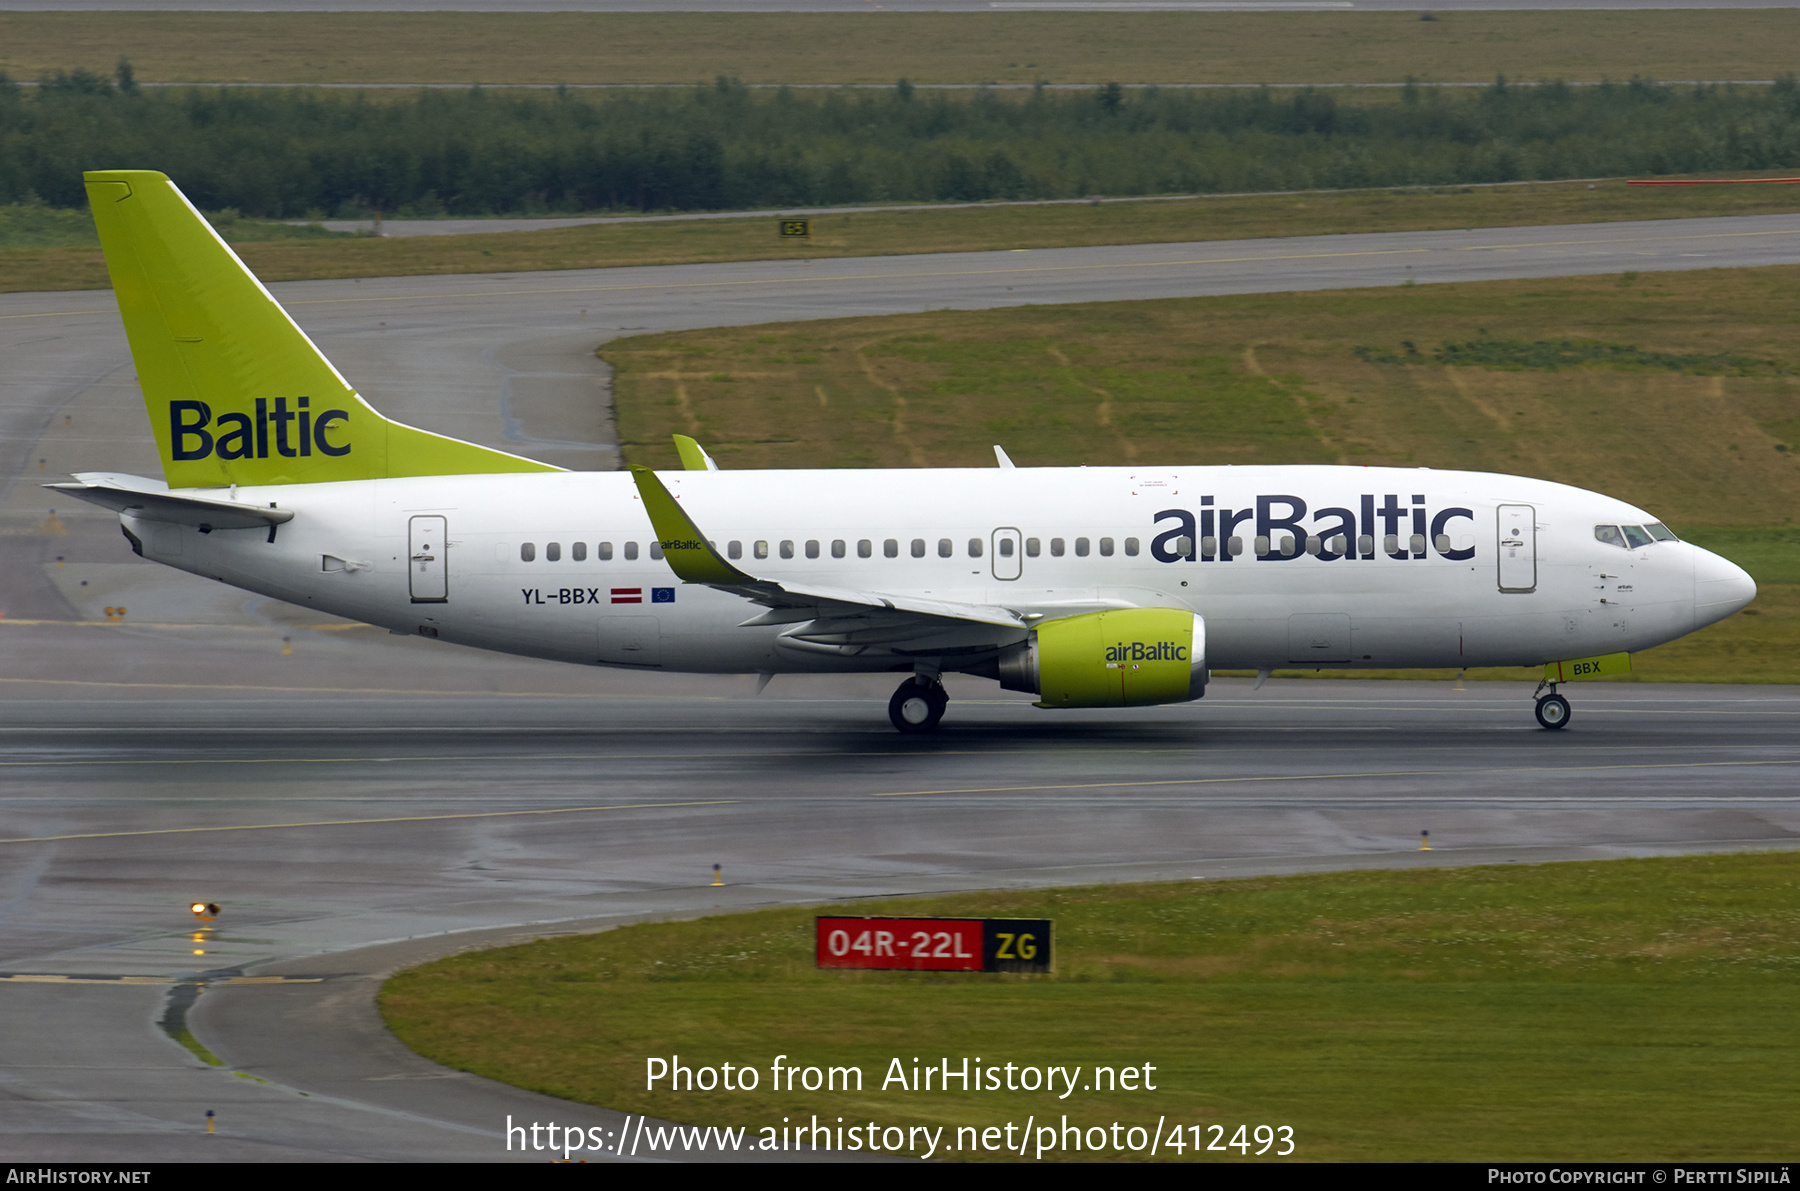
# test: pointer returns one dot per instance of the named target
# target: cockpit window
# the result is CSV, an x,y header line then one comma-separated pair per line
x,y
1635,537
1610,535
1660,532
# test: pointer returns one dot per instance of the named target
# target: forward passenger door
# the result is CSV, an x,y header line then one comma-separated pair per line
x,y
1516,535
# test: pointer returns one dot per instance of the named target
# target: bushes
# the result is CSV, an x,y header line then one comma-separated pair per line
x,y
288,152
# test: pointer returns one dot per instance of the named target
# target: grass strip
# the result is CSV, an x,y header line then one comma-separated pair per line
x,y
1630,1010
46,266
880,47
1276,378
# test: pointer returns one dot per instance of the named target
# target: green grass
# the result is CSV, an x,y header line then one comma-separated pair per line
x,y
1629,1010
40,227
309,254
1772,556
880,47
1276,378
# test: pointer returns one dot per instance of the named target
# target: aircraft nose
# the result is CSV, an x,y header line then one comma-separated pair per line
x,y
1721,587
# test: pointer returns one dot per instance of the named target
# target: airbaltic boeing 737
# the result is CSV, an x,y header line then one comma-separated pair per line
x,y
1089,587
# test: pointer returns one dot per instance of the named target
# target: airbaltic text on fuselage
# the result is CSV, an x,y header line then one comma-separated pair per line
x,y
296,432
1389,528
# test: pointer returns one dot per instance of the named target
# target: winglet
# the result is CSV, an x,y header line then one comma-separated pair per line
x,y
693,455
689,554
1000,456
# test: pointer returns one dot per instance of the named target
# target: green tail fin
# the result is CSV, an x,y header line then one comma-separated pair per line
x,y
236,391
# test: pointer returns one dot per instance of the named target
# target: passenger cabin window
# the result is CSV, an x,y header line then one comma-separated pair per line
x,y
865,549
837,548
1081,547
735,550
1417,542
604,550
656,550
946,548
1442,542
812,548
527,551
1106,547
918,547
1006,547
974,547
1610,535
761,550
552,551
630,551
787,549
1365,544
1031,547
578,552
1235,545
1056,547
890,548
1131,547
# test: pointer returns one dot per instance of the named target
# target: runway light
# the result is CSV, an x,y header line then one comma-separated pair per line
x,y
204,911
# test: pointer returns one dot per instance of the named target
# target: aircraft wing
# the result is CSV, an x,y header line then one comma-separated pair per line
x,y
152,500
891,616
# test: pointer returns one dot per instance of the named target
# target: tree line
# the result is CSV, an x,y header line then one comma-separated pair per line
x,y
297,153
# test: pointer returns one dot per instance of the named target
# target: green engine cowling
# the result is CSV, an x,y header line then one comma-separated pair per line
x,y
1129,657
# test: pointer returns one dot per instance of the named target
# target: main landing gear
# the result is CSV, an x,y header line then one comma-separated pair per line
x,y
1552,709
918,705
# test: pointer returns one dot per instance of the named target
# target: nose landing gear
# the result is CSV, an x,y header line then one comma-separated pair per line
x,y
918,705
1552,709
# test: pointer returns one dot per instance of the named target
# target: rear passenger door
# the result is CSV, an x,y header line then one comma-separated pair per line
x,y
427,577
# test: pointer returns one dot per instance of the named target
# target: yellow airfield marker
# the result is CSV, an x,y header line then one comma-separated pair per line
x,y
1424,841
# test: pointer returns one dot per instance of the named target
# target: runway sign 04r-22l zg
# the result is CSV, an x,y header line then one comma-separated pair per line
x,y
935,944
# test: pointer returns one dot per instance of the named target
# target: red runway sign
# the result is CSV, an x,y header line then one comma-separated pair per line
x,y
935,944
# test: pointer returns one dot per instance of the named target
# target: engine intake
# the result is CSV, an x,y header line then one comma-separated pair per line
x,y
1128,657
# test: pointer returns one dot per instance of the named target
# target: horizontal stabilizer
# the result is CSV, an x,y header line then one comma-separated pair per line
x,y
152,500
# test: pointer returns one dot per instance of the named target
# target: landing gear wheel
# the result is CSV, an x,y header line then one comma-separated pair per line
x,y
917,706
1553,711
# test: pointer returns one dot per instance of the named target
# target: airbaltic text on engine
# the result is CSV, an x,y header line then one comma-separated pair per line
x,y
1137,651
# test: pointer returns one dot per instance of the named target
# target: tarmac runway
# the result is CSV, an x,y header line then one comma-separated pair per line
x,y
359,802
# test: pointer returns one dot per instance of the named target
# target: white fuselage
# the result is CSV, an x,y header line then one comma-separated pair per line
x,y
1383,568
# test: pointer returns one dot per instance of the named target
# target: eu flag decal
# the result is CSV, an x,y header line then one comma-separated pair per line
x,y
662,595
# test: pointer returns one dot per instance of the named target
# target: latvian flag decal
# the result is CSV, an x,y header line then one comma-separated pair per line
x,y
627,595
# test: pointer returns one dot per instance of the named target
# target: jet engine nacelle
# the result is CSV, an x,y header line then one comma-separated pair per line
x,y
1130,657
